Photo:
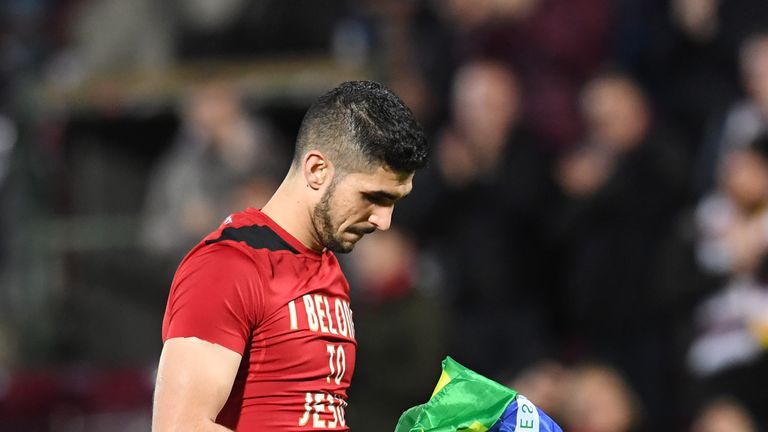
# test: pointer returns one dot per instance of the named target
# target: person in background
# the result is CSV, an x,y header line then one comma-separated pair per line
x,y
395,308
542,383
222,156
724,415
488,250
621,189
589,386
553,45
571,393
745,120
727,352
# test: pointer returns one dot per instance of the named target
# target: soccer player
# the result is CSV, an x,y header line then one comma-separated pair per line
x,y
258,332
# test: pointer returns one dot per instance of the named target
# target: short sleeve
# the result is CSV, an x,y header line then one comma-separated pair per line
x,y
216,297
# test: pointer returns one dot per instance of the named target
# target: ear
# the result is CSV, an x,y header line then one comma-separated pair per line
x,y
317,169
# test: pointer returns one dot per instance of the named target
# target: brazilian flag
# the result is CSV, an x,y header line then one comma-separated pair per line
x,y
464,400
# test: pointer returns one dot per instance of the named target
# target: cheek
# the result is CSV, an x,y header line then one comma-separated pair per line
x,y
359,214
346,212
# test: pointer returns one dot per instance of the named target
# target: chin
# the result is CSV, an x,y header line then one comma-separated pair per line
x,y
347,246
342,249
340,246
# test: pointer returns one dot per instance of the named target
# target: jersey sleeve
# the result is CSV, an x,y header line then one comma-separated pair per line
x,y
216,297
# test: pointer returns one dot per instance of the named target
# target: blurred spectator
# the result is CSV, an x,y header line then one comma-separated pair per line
x,y
554,45
596,399
222,160
699,76
542,383
677,50
697,18
724,415
109,36
685,53
385,269
731,324
747,118
732,219
399,320
478,209
410,45
621,191
583,398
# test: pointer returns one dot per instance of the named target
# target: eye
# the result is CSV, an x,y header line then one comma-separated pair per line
x,y
378,199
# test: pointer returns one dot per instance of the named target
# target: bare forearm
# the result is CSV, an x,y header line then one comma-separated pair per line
x,y
169,416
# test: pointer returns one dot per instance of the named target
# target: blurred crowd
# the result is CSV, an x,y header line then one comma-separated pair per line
x,y
592,228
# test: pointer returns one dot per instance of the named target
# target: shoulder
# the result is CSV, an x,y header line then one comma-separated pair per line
x,y
220,256
255,237
248,230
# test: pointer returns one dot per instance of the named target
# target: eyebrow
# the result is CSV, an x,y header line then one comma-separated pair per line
x,y
386,195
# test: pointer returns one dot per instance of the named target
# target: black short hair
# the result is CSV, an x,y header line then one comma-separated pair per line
x,y
360,125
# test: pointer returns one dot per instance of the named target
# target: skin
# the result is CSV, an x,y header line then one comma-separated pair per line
x,y
616,113
486,106
323,208
754,64
189,393
356,204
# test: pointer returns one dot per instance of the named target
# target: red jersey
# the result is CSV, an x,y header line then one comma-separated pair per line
x,y
255,289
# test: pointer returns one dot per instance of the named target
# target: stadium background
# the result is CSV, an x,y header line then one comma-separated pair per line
x,y
591,229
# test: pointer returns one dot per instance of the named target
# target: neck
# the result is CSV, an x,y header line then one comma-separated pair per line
x,y
290,209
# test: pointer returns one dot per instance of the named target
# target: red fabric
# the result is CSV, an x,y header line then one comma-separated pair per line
x,y
286,311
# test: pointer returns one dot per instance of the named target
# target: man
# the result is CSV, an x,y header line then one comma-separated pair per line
x,y
258,333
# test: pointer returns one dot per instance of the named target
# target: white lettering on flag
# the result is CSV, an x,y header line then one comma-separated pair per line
x,y
527,416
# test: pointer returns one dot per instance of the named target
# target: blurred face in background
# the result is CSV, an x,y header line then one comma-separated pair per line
x,y
486,104
697,18
745,179
754,64
383,265
597,400
213,109
615,113
724,416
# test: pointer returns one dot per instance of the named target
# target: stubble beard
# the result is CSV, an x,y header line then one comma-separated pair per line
x,y
321,220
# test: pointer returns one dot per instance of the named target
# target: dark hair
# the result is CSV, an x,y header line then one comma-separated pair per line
x,y
362,124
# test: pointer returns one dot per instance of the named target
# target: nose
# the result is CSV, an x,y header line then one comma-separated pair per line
x,y
381,217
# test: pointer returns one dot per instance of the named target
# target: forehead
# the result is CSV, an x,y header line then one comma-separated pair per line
x,y
381,179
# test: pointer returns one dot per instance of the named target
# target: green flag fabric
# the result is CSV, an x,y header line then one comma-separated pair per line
x,y
463,401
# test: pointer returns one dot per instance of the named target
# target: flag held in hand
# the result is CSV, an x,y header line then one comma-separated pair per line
x,y
464,400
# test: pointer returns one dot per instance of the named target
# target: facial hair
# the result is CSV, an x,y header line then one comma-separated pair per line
x,y
321,220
